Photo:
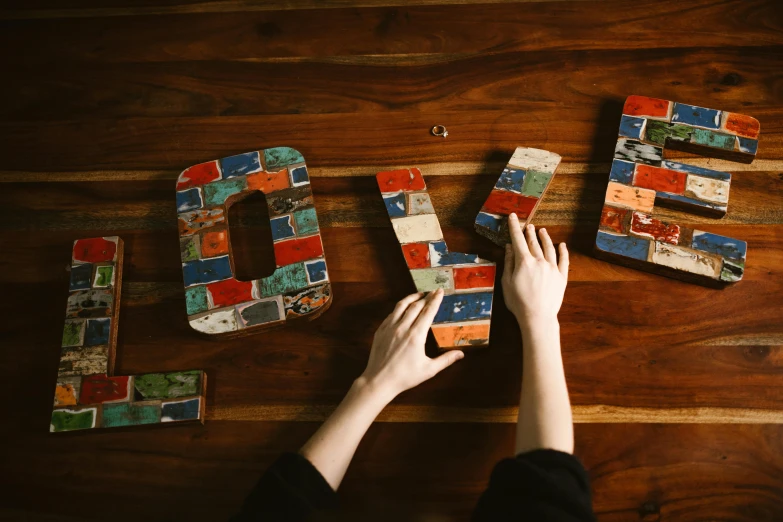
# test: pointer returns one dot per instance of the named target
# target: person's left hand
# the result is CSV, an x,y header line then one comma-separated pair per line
x,y
397,359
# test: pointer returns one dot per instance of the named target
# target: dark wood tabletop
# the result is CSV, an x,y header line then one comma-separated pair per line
x,y
677,389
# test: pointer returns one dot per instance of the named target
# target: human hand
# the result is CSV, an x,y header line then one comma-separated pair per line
x,y
397,359
533,280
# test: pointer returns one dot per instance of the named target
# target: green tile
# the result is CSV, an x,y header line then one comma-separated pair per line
x,y
217,192
535,183
168,385
280,157
429,279
189,248
196,299
73,334
130,414
306,221
657,132
285,279
103,275
714,139
67,420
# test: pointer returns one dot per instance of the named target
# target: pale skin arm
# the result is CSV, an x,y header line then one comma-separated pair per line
x,y
397,363
534,283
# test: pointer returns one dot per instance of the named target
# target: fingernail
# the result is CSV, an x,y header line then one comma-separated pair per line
x,y
541,230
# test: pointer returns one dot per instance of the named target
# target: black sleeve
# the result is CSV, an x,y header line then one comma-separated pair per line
x,y
291,490
541,485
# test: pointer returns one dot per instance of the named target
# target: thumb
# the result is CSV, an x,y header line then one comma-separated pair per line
x,y
442,362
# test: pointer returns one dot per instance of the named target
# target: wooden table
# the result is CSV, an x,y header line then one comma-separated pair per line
x,y
677,389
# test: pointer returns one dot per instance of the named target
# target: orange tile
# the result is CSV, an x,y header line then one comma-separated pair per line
x,y
214,243
268,182
64,395
743,125
461,334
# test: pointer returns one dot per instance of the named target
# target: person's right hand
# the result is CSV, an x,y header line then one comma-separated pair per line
x,y
533,280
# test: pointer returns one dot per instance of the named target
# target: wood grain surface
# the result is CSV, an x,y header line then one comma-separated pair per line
x,y
676,389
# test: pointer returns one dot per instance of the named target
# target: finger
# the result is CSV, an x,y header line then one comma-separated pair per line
x,y
427,315
403,305
508,266
563,264
442,362
549,248
517,237
413,312
532,242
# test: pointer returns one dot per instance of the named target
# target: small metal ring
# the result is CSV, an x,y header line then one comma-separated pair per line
x,y
439,130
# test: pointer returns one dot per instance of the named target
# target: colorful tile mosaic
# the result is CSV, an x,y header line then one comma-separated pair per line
x,y
217,303
519,189
640,177
464,316
87,394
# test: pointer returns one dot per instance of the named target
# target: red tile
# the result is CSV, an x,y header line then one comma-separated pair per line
x,y
743,125
198,175
647,226
230,292
405,179
474,277
504,203
644,106
615,218
100,388
94,250
296,250
659,179
417,255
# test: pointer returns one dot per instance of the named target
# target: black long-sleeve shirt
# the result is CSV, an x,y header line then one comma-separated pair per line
x,y
540,486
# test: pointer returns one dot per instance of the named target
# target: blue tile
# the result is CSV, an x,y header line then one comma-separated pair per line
x,y
690,169
464,307
748,145
299,176
511,179
666,196
180,411
721,245
631,127
698,116
189,200
316,270
395,205
626,246
622,171
206,270
97,332
81,277
489,221
240,165
281,227
440,255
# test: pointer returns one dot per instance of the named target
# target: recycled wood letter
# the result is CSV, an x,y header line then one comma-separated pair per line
x,y
464,316
88,394
220,305
640,177
519,189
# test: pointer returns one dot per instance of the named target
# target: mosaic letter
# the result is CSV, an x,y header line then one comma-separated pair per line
x,y
87,393
519,189
464,316
640,177
217,303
